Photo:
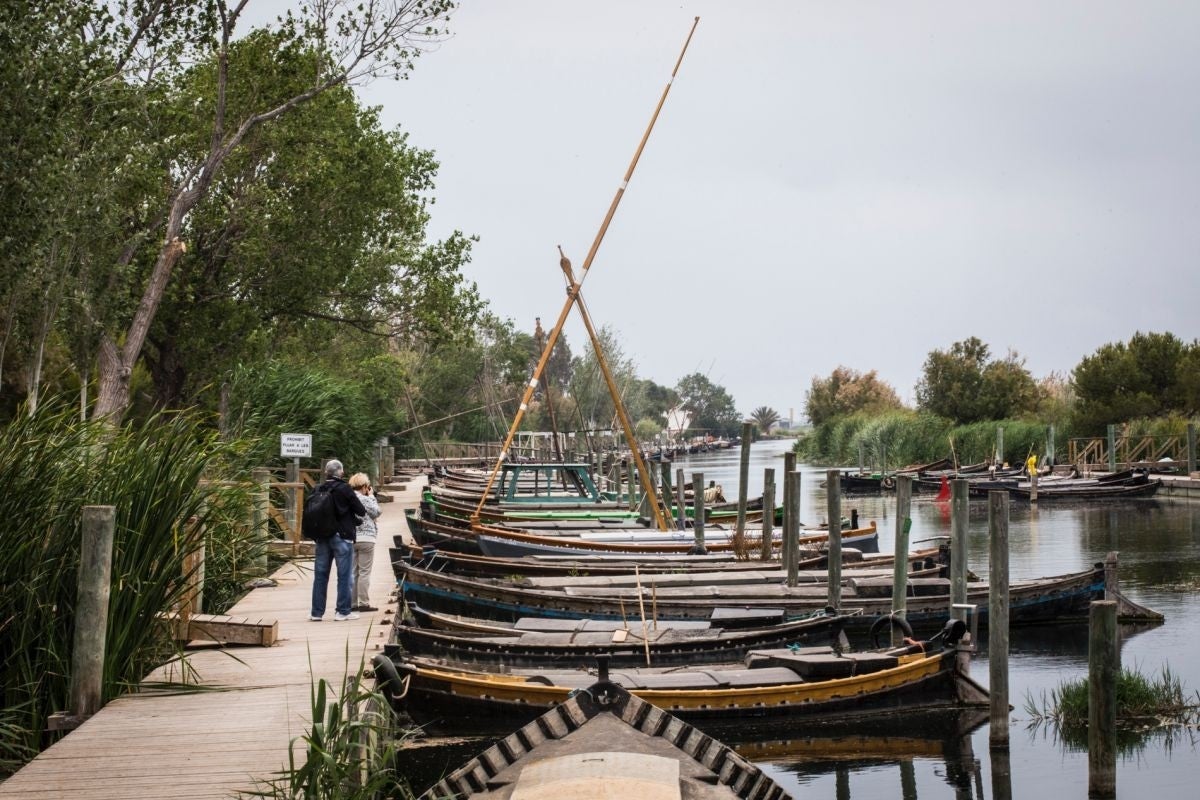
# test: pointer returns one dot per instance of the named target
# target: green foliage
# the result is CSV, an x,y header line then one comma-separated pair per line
x,y
847,391
765,418
267,400
1138,697
52,466
349,752
963,385
976,443
711,406
909,437
1151,375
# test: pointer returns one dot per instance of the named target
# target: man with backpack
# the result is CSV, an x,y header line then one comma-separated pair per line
x,y
330,517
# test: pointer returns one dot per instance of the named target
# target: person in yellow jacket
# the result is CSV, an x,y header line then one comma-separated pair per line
x,y
1031,464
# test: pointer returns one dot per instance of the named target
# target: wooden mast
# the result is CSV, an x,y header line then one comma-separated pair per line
x,y
573,294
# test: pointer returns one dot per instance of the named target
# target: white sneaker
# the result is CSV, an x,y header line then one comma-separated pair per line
x,y
340,617
314,618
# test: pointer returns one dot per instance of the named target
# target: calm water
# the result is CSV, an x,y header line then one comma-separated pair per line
x,y
1159,546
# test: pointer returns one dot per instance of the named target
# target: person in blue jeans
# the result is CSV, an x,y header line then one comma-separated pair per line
x,y
337,549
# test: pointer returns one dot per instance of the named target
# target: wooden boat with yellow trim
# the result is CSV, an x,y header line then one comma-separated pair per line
x,y
808,683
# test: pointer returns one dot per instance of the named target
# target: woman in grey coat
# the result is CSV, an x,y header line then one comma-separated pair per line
x,y
364,542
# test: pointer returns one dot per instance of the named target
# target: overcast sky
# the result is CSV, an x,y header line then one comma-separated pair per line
x,y
828,183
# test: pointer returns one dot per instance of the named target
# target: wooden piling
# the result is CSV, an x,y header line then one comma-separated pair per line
x,y
903,526
633,485
768,523
999,457
959,522
791,534
1033,480
698,512
261,477
1001,775
1103,666
1112,448
1191,448
1112,587
789,465
739,535
833,504
667,491
998,617
91,610
679,497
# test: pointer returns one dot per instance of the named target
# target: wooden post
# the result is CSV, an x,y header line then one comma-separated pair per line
x,y
1112,588
959,521
1103,666
791,534
900,571
833,504
390,460
697,512
1050,446
1112,448
998,616
191,602
295,501
841,782
739,535
1191,448
789,466
766,550
666,488
91,609
1033,480
999,444
908,779
261,476
679,495
633,485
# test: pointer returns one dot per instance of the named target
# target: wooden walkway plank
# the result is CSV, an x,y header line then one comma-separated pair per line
x,y
254,701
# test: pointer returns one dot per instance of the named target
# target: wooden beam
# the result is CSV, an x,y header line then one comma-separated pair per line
x,y
224,629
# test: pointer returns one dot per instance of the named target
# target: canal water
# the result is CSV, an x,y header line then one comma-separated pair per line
x,y
1158,542
1159,545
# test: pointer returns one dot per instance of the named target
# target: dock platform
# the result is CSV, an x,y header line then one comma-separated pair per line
x,y
235,729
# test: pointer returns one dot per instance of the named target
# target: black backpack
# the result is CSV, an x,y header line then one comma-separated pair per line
x,y
320,514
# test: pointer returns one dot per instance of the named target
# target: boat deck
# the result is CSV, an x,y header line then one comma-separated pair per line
x,y
253,701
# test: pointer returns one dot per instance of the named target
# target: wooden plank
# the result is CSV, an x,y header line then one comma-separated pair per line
x,y
250,707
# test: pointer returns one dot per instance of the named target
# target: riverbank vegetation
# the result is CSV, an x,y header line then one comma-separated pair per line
x,y
1149,386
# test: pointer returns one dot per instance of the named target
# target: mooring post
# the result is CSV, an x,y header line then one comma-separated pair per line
x,y
833,502
697,511
999,457
1191,448
960,515
1033,480
261,478
679,497
632,483
766,546
1103,666
667,491
1112,448
1050,454
791,534
191,600
789,466
1112,586
998,616
900,571
91,609
841,782
908,779
743,480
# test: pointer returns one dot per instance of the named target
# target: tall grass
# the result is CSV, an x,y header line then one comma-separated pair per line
x,y
904,436
52,465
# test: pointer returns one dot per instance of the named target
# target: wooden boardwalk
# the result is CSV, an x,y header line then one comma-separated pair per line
x,y
213,743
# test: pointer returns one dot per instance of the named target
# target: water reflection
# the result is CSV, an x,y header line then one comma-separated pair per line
x,y
863,759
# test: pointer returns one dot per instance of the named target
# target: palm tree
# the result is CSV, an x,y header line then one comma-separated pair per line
x,y
765,418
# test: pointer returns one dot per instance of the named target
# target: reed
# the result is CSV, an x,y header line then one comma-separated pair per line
x,y
1139,698
52,465
349,752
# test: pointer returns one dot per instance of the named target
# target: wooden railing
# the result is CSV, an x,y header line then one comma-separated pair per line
x,y
1096,454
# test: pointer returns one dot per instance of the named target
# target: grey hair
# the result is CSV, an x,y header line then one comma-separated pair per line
x,y
334,469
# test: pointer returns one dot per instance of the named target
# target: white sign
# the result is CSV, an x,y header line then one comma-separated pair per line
x,y
295,445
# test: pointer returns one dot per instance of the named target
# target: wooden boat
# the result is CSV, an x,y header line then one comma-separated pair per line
x,y
1089,489
778,684
577,643
604,733
507,542
621,563
1044,600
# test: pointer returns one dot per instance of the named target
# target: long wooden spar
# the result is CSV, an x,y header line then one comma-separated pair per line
x,y
573,293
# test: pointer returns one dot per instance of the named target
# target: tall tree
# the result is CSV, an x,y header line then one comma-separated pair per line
x,y
355,41
846,391
963,385
765,418
711,407
1120,381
